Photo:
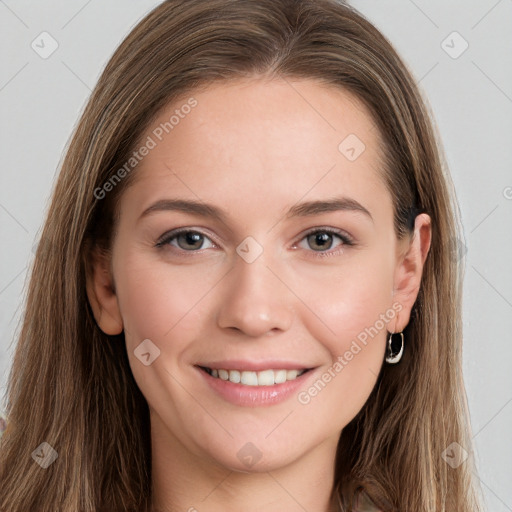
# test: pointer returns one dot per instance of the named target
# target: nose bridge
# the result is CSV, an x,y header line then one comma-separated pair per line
x,y
255,300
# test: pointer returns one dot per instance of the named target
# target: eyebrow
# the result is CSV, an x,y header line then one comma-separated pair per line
x,y
305,209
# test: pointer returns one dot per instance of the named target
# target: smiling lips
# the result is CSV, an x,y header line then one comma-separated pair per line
x,y
254,378
252,383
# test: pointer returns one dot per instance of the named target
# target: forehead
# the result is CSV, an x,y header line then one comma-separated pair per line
x,y
287,138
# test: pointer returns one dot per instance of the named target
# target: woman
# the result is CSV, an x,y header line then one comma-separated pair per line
x,y
243,297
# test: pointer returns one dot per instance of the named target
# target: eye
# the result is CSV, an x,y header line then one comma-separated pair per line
x,y
185,239
322,239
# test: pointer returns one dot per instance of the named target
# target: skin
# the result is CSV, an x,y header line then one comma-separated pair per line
x,y
255,148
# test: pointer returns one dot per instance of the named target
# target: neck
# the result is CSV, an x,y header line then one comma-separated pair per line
x,y
186,482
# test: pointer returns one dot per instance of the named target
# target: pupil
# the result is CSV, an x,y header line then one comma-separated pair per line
x,y
192,238
322,239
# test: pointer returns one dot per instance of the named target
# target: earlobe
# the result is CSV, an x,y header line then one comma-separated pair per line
x,y
409,269
101,295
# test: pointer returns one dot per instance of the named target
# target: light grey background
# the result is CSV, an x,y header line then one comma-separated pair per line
x,y
470,96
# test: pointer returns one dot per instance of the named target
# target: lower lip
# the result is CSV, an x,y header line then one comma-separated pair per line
x,y
254,396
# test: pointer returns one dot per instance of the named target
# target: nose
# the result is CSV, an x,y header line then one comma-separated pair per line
x,y
255,299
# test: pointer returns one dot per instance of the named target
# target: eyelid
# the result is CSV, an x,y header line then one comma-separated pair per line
x,y
173,233
348,239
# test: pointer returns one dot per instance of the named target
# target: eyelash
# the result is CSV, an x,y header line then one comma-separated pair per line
x,y
344,237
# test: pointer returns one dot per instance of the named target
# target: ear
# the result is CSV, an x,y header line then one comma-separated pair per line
x,y
101,293
412,253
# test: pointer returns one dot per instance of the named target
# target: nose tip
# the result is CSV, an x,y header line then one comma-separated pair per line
x,y
252,324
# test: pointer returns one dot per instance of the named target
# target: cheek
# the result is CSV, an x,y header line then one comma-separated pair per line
x,y
348,299
160,301
165,304
348,313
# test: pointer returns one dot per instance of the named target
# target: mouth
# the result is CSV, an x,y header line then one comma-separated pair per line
x,y
268,377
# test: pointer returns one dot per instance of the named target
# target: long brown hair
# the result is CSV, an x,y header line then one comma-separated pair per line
x,y
71,385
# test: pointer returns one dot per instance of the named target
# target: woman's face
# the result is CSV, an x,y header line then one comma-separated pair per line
x,y
287,260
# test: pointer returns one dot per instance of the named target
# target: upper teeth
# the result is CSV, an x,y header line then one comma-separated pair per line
x,y
263,378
